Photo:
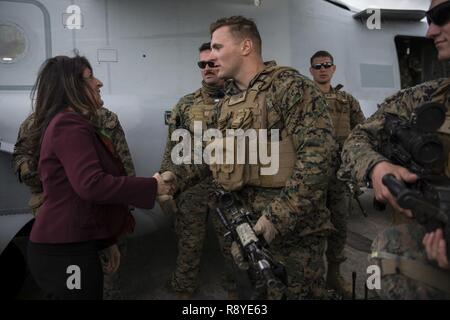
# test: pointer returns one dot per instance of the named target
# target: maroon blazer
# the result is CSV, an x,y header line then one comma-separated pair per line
x,y
85,196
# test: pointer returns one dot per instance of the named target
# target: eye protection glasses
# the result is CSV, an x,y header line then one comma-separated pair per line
x,y
203,64
326,65
439,15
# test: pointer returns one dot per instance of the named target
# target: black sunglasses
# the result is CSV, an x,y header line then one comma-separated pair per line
x,y
326,65
439,15
203,64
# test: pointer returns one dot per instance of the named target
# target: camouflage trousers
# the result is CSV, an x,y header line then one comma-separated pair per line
x,y
338,204
190,228
303,256
405,241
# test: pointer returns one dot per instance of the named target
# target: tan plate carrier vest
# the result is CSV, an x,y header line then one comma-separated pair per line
x,y
340,115
201,110
247,110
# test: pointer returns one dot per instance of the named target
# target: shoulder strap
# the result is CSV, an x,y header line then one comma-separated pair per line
x,y
273,74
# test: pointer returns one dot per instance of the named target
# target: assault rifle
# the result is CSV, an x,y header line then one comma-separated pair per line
x,y
416,146
236,219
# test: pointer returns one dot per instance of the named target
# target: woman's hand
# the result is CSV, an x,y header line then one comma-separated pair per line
x,y
112,255
166,183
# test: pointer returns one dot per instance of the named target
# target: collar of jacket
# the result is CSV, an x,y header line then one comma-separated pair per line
x,y
231,88
214,92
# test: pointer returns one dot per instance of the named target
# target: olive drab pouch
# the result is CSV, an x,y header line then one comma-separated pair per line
x,y
200,113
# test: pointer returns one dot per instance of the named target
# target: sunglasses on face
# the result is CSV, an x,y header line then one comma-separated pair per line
x,y
203,64
439,15
318,66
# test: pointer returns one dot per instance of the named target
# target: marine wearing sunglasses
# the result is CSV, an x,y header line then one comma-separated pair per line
x,y
202,64
439,15
438,18
322,69
326,65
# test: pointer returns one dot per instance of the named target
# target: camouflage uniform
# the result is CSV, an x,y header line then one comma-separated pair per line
x,y
405,241
25,169
108,126
192,204
345,113
360,155
298,210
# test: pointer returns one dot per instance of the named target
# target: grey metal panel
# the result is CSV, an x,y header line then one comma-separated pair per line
x,y
107,55
340,4
14,196
377,76
14,211
16,88
6,147
10,225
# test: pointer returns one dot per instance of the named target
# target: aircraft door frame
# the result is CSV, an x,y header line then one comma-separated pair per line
x,y
47,39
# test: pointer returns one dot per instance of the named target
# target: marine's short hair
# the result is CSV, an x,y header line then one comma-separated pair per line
x,y
241,28
205,46
322,54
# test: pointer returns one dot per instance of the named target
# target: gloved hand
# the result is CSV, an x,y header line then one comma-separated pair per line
x,y
238,256
266,228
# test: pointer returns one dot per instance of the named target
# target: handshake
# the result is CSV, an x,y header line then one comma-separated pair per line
x,y
166,189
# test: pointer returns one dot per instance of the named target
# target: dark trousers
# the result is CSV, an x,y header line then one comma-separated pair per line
x,y
67,271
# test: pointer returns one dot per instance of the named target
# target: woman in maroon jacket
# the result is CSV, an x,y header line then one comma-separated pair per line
x,y
86,193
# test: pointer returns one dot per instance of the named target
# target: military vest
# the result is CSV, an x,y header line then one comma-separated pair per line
x,y
247,110
339,109
201,110
442,95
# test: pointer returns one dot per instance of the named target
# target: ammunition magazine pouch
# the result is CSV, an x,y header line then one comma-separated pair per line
x,y
200,113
